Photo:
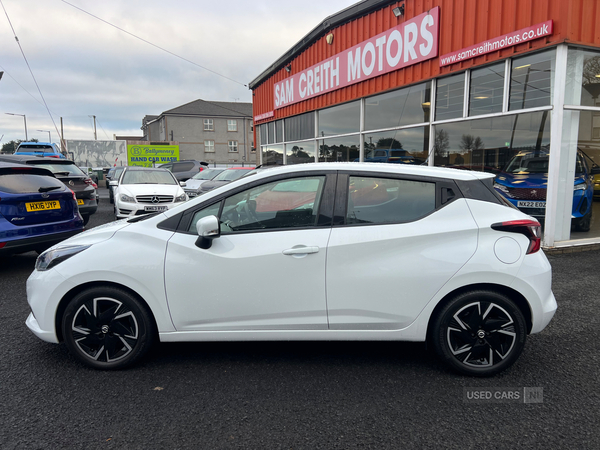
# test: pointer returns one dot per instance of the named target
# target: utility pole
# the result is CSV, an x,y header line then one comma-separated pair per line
x,y
95,136
63,147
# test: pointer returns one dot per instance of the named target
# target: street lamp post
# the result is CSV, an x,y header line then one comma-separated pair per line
x,y
46,131
24,119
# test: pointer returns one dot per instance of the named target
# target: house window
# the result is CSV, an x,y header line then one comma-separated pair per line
x,y
208,125
209,146
232,125
233,146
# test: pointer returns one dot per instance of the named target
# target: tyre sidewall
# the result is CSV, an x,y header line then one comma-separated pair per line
x,y
442,319
145,323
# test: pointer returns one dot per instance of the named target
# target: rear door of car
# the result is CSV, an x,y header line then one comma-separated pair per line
x,y
395,242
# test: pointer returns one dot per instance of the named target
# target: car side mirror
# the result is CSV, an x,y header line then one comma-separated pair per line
x,y
208,229
113,183
182,183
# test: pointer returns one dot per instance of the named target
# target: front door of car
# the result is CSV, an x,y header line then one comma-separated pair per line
x,y
395,248
267,269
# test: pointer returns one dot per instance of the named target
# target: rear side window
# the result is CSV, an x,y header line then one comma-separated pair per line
x,y
183,167
27,184
385,200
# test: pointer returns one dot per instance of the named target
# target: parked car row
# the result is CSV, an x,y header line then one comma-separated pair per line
x,y
37,210
72,176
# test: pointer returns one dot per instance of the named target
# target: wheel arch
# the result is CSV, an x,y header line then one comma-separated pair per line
x,y
64,302
517,297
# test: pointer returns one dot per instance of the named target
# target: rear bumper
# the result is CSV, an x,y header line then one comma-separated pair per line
x,y
35,242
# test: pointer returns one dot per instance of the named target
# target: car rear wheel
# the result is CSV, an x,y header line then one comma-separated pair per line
x,y
107,328
86,219
479,333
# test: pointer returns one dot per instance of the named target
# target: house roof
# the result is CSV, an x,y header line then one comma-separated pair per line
x,y
208,108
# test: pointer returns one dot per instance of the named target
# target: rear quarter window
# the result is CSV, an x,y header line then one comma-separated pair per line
x,y
385,200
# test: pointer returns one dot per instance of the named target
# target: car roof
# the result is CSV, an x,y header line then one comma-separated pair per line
x,y
146,168
9,167
401,169
27,158
36,143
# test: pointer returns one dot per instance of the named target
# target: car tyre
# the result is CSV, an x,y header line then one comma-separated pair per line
x,y
479,333
585,223
86,219
107,328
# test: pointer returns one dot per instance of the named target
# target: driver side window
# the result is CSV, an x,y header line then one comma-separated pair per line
x,y
289,203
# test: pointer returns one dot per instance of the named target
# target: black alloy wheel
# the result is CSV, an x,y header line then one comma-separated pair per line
x,y
479,333
107,328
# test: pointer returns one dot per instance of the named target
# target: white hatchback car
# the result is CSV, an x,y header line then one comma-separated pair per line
x,y
327,251
142,190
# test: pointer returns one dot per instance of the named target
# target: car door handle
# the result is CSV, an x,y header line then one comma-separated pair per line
x,y
303,250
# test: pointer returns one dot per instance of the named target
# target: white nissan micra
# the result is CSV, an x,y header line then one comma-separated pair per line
x,y
327,251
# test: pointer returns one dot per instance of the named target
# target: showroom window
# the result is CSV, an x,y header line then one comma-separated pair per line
x,y
208,125
279,131
487,145
263,134
398,108
271,132
233,146
407,146
209,146
300,127
272,154
231,125
449,98
300,152
532,80
486,90
385,200
339,149
340,119
289,203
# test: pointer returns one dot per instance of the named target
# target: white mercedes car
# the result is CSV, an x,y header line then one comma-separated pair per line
x,y
142,190
327,251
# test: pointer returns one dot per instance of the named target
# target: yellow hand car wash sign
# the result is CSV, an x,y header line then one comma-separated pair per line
x,y
151,155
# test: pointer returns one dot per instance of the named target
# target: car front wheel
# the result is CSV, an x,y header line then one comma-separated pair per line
x,y
107,328
479,333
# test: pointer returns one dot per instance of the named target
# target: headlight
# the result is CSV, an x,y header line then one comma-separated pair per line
x,y
580,187
502,188
181,198
51,258
127,198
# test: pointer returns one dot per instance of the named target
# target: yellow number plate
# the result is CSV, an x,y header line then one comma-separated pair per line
x,y
79,201
42,206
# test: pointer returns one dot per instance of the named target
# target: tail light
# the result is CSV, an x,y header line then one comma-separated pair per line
x,y
531,229
90,182
74,196
2,244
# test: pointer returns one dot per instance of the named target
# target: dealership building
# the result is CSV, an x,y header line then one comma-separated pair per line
x,y
508,87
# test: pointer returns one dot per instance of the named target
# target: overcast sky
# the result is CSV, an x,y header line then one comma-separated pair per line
x,y
85,67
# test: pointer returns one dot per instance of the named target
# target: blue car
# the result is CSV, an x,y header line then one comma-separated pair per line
x,y
524,181
36,209
39,149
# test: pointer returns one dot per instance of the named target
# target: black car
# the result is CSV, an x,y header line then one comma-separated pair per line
x,y
36,210
71,175
185,169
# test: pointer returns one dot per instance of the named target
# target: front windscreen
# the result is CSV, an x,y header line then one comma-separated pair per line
x,y
147,177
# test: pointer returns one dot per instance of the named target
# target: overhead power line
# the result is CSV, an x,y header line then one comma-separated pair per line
x,y
153,45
